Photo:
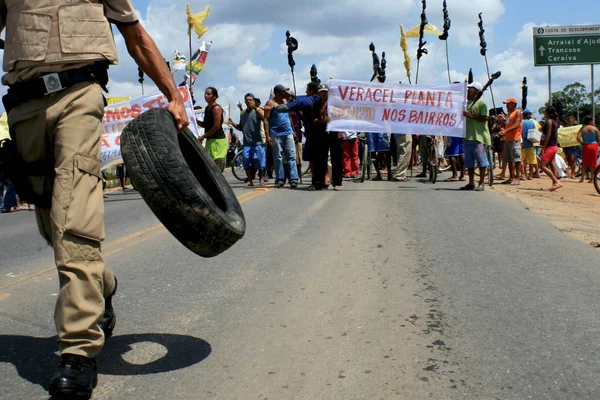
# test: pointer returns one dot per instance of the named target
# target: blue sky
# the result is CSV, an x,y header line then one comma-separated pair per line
x,y
247,54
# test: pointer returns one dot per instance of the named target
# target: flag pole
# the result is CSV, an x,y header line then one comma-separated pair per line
x,y
483,52
444,36
292,45
190,37
421,50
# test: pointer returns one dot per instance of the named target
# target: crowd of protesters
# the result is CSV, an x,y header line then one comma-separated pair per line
x,y
276,139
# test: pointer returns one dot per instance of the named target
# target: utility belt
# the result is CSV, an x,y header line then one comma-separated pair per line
x,y
13,164
22,92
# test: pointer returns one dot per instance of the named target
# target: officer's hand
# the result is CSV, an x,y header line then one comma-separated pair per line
x,y
177,110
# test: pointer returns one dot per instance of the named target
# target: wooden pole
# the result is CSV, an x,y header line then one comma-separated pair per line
x,y
190,85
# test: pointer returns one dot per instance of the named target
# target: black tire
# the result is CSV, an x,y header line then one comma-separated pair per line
x,y
596,178
237,167
433,166
447,165
365,163
307,170
492,162
181,184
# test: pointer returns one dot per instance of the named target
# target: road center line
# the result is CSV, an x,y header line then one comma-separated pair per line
x,y
242,199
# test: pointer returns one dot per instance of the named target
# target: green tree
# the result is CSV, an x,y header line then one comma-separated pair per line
x,y
577,101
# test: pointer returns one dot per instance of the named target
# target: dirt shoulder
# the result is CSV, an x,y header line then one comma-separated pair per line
x,y
574,209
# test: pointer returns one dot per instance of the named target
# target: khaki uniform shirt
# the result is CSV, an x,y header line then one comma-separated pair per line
x,y
115,11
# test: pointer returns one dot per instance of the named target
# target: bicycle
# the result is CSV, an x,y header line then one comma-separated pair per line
x,y
596,177
237,166
433,160
365,167
491,156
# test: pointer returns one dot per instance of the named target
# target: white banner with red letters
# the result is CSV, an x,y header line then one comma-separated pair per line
x,y
117,116
435,110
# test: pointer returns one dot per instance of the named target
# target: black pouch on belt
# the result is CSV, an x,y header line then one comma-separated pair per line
x,y
19,171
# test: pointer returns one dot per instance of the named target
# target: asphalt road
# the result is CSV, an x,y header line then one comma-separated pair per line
x,y
380,291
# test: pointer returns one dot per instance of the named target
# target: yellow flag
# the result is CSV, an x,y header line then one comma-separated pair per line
x,y
429,30
195,21
115,100
404,47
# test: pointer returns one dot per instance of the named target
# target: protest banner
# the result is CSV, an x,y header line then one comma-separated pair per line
x,y
567,136
416,109
4,127
117,116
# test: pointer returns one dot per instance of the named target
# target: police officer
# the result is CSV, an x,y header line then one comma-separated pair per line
x,y
56,57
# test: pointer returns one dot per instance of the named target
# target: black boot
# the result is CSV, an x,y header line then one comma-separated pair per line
x,y
75,377
109,319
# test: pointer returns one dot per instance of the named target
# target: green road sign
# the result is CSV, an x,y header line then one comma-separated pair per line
x,y
566,45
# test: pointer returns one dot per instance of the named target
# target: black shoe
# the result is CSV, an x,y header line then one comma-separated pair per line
x,y
75,377
294,185
377,178
109,319
421,175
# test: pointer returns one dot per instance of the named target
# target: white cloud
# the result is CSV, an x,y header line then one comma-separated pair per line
x,y
250,73
248,51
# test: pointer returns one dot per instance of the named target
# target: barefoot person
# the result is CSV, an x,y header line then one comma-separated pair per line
x,y
589,137
550,147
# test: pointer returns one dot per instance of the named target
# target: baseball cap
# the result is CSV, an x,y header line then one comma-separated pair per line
x,y
323,87
279,88
249,95
289,92
313,85
476,85
526,112
511,100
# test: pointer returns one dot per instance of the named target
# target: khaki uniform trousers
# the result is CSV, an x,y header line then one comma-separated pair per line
x,y
66,127
403,150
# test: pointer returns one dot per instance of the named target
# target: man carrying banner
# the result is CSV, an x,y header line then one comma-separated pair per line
x,y
55,108
324,143
477,137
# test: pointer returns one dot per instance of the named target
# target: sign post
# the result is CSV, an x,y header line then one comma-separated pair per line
x,y
593,100
550,84
566,45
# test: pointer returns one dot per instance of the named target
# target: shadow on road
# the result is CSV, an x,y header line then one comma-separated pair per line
x,y
35,360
